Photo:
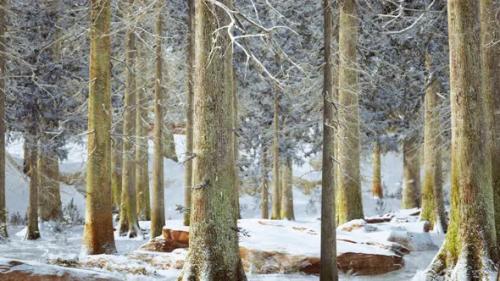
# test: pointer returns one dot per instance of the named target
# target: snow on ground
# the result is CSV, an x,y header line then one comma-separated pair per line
x,y
66,243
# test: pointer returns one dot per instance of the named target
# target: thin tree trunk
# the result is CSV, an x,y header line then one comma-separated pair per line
x,y
98,232
433,209
349,191
210,257
158,204
31,156
411,176
116,164
128,211
141,145
328,270
377,190
276,188
235,142
188,174
470,244
287,191
3,69
264,188
168,143
50,197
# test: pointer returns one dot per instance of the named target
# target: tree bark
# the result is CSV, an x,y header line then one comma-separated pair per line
x,y
470,244
235,140
116,164
377,190
50,197
158,204
411,176
213,247
3,74
31,156
276,188
98,232
433,209
287,190
188,174
349,190
328,270
264,188
128,211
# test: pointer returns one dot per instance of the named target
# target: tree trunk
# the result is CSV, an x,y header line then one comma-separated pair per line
x,y
287,191
31,155
213,238
433,209
141,144
235,141
276,188
411,176
264,188
377,190
116,164
3,69
98,232
349,190
168,143
188,174
128,211
158,204
328,270
50,197
470,244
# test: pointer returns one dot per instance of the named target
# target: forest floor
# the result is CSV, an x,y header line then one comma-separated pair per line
x,y
62,243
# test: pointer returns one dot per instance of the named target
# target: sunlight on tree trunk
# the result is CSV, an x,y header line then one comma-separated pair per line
x,y
411,177
287,190
276,188
377,191
264,185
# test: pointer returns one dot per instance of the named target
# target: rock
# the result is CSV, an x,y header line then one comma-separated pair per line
x,y
180,236
379,219
368,264
16,270
412,240
170,240
352,225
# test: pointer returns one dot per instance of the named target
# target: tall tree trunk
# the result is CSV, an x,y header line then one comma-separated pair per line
x,y
141,144
188,174
128,211
287,190
377,190
328,270
411,176
31,156
349,190
210,257
264,188
276,188
158,204
490,85
235,141
168,143
116,164
3,74
433,209
50,197
470,244
98,232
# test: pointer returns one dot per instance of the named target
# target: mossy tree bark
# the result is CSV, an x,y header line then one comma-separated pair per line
x,y
470,244
235,140
158,204
411,177
128,210
349,190
328,270
276,188
264,185
213,246
287,190
141,144
3,75
433,209
31,157
188,172
377,190
98,232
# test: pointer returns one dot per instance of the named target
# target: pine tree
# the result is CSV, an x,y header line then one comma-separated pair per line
x,y
3,69
377,190
411,175
286,190
210,257
98,232
188,172
30,158
349,187
116,163
158,204
328,271
264,185
276,187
